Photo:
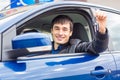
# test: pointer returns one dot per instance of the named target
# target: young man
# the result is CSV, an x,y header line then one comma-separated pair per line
x,y
62,29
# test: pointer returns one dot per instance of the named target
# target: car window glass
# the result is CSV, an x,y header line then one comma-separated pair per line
x,y
113,25
7,19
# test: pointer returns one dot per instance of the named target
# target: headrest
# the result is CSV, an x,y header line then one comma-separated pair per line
x,y
79,32
27,30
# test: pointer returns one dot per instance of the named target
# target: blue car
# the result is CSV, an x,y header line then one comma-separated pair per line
x,y
25,44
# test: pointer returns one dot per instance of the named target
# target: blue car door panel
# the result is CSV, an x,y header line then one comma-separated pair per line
x,y
84,67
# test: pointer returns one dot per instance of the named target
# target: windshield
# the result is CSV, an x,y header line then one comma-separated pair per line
x,y
11,14
2,21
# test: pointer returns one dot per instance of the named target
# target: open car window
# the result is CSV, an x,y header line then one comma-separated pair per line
x,y
41,24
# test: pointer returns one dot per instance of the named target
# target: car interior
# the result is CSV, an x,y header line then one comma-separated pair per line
x,y
42,24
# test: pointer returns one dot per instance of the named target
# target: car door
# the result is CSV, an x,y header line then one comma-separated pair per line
x,y
76,66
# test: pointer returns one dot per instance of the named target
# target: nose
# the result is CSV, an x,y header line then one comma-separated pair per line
x,y
61,32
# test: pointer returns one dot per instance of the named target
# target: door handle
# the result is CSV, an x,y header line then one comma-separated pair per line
x,y
100,73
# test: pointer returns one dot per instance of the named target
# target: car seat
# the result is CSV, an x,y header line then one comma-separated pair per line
x,y
28,30
79,32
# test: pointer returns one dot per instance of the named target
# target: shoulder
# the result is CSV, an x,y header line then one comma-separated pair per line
x,y
74,41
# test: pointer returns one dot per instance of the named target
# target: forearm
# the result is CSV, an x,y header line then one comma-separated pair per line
x,y
101,42
102,28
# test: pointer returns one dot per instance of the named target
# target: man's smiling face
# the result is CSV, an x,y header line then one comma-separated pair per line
x,y
61,33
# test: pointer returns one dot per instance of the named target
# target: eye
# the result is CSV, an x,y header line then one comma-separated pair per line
x,y
56,28
65,29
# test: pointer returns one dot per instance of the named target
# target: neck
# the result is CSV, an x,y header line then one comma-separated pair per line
x,y
56,46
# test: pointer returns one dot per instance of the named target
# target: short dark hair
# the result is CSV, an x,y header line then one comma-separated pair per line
x,y
63,19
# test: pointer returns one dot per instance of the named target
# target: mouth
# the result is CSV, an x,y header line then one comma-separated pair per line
x,y
59,38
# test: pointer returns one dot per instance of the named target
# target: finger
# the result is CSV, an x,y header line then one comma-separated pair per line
x,y
100,15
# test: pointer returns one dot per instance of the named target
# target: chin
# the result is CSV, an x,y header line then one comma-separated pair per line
x,y
61,42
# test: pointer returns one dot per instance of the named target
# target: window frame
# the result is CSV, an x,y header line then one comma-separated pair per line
x,y
25,19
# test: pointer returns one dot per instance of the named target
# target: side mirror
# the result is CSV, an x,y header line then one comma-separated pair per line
x,y
30,44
